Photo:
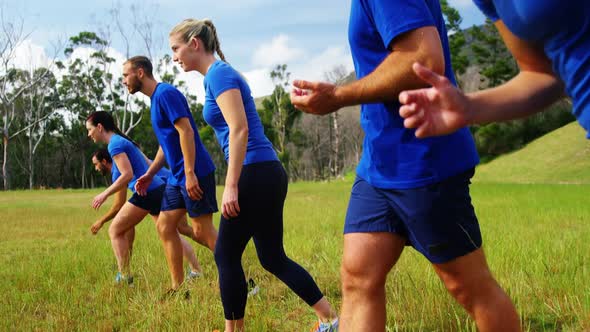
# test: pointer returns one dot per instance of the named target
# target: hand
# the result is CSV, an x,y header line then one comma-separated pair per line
x,y
96,227
314,97
229,203
192,187
142,184
435,111
98,200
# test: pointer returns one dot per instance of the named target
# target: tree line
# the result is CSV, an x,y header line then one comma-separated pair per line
x,y
42,110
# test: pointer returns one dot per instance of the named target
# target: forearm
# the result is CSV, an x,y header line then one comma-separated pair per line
x,y
120,184
119,201
395,74
157,163
527,93
110,214
187,145
238,141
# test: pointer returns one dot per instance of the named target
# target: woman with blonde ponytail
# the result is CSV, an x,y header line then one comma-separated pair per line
x,y
256,183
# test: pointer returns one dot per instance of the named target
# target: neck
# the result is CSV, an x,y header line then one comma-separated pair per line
x,y
149,86
108,136
203,66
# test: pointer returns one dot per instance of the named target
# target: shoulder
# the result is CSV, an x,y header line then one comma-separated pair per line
x,y
488,8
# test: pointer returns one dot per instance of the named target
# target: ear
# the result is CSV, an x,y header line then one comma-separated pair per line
x,y
195,43
140,73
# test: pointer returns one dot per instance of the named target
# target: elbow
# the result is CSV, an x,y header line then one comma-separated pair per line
x,y
434,60
127,177
240,131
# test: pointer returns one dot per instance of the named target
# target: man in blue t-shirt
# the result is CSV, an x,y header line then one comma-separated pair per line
x,y
408,191
191,188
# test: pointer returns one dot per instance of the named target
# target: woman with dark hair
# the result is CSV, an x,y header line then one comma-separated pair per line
x,y
126,163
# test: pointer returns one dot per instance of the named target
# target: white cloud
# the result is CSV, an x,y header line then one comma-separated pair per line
x,y
302,64
276,52
259,81
316,67
29,56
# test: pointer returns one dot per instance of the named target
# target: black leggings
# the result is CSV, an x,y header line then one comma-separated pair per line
x,y
261,194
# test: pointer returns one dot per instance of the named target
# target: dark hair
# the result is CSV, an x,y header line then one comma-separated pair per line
x,y
103,154
108,123
142,62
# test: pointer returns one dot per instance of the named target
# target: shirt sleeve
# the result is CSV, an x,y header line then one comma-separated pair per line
x,y
393,18
116,146
222,79
488,8
174,105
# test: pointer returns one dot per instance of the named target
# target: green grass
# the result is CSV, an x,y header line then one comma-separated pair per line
x,y
562,156
55,275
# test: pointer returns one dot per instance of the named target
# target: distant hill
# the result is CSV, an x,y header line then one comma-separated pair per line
x,y
562,156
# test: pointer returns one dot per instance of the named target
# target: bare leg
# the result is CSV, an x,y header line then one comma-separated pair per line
x,y
129,216
189,254
471,283
167,226
366,261
205,232
187,250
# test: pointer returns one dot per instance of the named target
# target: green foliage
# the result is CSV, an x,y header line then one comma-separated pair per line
x,y
495,139
496,62
456,37
279,117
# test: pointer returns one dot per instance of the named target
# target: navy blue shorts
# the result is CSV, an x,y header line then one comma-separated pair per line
x,y
438,220
176,197
151,202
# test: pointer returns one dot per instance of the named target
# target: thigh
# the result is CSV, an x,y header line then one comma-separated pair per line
x,y
129,216
208,203
371,255
232,238
171,216
440,219
470,270
369,211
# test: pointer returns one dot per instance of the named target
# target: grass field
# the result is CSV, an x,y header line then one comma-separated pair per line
x,y
55,275
561,156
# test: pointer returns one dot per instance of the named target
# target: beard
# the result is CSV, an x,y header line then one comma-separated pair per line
x,y
103,171
133,88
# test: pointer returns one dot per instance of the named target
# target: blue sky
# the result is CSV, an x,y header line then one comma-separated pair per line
x,y
310,36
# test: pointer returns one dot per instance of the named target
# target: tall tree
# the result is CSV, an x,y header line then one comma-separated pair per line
x,y
279,116
456,37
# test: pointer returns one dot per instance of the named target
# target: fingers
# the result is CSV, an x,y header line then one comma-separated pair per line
x,y
428,75
195,193
305,85
230,209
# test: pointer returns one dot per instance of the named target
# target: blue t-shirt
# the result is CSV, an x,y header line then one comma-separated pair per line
x,y
563,28
164,174
393,158
167,106
220,78
139,166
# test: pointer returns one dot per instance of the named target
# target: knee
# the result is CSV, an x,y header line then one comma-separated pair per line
x,y
273,264
114,230
468,290
357,278
166,229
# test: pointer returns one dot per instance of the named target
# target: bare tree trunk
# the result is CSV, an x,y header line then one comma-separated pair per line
x,y
5,159
335,144
31,167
